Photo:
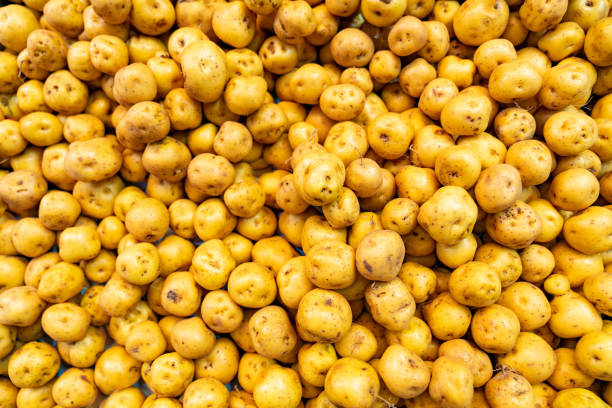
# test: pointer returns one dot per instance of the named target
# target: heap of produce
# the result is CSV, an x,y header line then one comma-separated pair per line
x,y
306,203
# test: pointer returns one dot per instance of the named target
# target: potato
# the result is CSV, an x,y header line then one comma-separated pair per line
x,y
595,290
572,305
206,391
495,329
148,220
447,318
75,388
533,314
575,266
459,213
359,343
204,82
380,254
33,365
515,227
595,44
477,21
65,322
475,284
61,282
274,379
577,397
170,374
221,363
451,382
330,264
251,285
314,361
509,389
84,352
22,189
505,79
352,383
567,374
268,320
403,372
390,304
323,316
531,357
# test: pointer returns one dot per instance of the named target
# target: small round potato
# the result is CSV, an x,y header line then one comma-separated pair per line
x,y
323,316
351,382
33,365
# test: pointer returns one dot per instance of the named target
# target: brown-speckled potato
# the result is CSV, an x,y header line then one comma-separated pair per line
x,y
22,190
272,334
495,329
477,21
380,254
498,187
170,374
403,372
448,215
475,284
352,383
33,365
515,227
390,304
330,264
447,318
323,316
457,392
75,388
266,392
591,356
531,356
509,390
528,303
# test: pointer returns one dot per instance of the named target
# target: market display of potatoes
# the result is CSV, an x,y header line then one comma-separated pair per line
x,y
306,204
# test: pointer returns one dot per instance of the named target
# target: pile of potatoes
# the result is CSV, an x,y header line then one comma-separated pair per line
x,y
316,204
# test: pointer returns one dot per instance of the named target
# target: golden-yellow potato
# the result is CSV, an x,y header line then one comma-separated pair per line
x,y
515,227
531,356
380,254
330,264
591,356
205,71
579,398
495,329
567,374
267,392
352,383
459,214
457,166
323,316
390,304
528,303
403,372
251,285
75,388
271,332
447,318
65,322
33,365
206,391
459,391
509,389
475,284
572,305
